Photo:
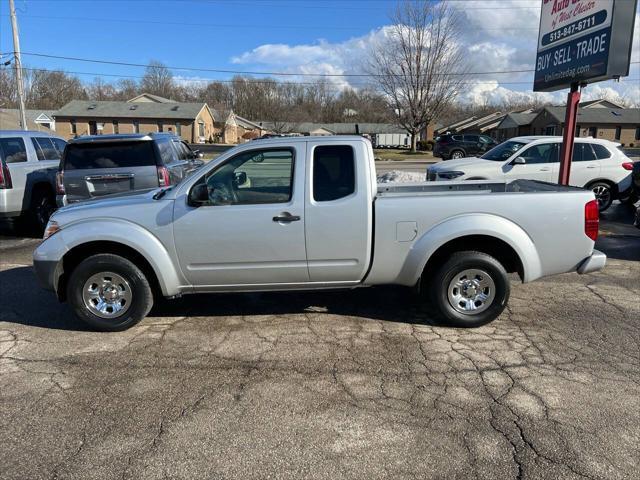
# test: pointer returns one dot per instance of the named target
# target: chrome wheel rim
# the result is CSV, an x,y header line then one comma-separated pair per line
x,y
456,155
471,291
603,194
107,295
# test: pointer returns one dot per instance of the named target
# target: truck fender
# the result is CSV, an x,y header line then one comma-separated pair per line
x,y
465,225
117,231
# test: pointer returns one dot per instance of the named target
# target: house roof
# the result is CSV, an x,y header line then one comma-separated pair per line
x,y
517,119
596,115
600,103
10,119
109,109
338,128
152,98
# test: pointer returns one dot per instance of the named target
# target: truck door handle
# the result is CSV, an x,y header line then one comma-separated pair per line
x,y
286,217
545,169
591,166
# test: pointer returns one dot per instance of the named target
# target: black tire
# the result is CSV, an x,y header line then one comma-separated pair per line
x,y
630,199
604,194
42,206
457,152
140,291
438,288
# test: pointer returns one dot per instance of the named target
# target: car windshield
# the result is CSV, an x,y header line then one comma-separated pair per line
x,y
503,151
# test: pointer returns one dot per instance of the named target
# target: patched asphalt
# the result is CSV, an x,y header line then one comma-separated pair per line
x,y
360,384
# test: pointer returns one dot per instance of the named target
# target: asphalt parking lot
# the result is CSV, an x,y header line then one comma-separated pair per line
x,y
360,384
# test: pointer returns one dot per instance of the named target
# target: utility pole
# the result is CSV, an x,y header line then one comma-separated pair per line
x,y
17,63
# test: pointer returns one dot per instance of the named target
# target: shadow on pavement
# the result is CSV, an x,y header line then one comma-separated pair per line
x,y
25,302
618,237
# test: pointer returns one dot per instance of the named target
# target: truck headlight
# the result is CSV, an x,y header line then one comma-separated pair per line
x,y
52,227
450,175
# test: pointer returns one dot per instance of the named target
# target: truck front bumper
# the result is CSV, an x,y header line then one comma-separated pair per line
x,y
48,273
593,263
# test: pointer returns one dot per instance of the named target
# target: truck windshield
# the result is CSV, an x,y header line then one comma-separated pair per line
x,y
503,151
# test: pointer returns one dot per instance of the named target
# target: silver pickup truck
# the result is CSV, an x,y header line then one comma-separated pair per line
x,y
307,213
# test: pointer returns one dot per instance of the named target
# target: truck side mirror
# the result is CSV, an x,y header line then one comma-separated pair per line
x,y
519,161
199,195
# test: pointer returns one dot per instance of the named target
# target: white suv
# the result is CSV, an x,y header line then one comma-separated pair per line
x,y
28,164
597,164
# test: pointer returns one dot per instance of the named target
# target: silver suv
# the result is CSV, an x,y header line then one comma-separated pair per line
x,y
98,165
28,164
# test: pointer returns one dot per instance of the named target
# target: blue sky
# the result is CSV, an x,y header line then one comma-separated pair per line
x,y
327,36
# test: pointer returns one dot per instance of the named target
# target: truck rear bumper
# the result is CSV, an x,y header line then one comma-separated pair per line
x,y
595,262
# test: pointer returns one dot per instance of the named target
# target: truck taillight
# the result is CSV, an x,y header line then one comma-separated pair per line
x,y
591,219
627,166
5,177
163,177
60,183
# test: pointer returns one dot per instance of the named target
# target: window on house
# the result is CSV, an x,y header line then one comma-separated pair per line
x,y
136,126
116,127
618,133
201,129
74,127
637,133
178,129
550,130
593,132
160,126
333,172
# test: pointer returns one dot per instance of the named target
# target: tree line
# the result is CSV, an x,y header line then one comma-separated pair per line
x,y
259,99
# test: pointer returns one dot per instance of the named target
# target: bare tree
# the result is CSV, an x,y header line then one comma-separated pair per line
x,y
53,89
158,80
419,66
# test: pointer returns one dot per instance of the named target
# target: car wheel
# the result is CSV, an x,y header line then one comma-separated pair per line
x,y
42,206
457,154
109,292
470,289
603,193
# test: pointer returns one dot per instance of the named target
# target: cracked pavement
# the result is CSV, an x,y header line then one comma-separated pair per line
x,y
360,384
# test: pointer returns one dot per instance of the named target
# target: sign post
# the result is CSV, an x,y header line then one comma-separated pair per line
x,y
570,120
581,42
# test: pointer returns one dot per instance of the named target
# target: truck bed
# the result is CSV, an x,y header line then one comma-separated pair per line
x,y
469,187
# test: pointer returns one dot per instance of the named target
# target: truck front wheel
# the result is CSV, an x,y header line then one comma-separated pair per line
x,y
470,289
109,292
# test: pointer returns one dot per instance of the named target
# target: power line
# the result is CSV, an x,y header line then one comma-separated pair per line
x,y
228,25
258,81
249,72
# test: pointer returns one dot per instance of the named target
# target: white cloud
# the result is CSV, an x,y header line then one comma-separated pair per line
x,y
496,36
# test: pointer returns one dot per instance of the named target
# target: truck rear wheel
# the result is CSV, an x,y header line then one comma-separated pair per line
x,y
470,289
109,292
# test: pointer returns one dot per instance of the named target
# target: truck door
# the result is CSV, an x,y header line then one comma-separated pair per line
x,y
251,229
339,212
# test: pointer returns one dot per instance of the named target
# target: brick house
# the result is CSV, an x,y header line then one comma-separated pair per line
x,y
616,124
194,122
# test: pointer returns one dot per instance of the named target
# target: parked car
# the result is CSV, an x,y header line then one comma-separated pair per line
x,y
307,213
28,164
98,165
462,145
597,165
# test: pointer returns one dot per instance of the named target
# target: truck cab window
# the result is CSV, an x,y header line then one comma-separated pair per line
x,y
333,172
253,177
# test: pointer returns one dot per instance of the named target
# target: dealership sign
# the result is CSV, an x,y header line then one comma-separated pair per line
x,y
583,41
